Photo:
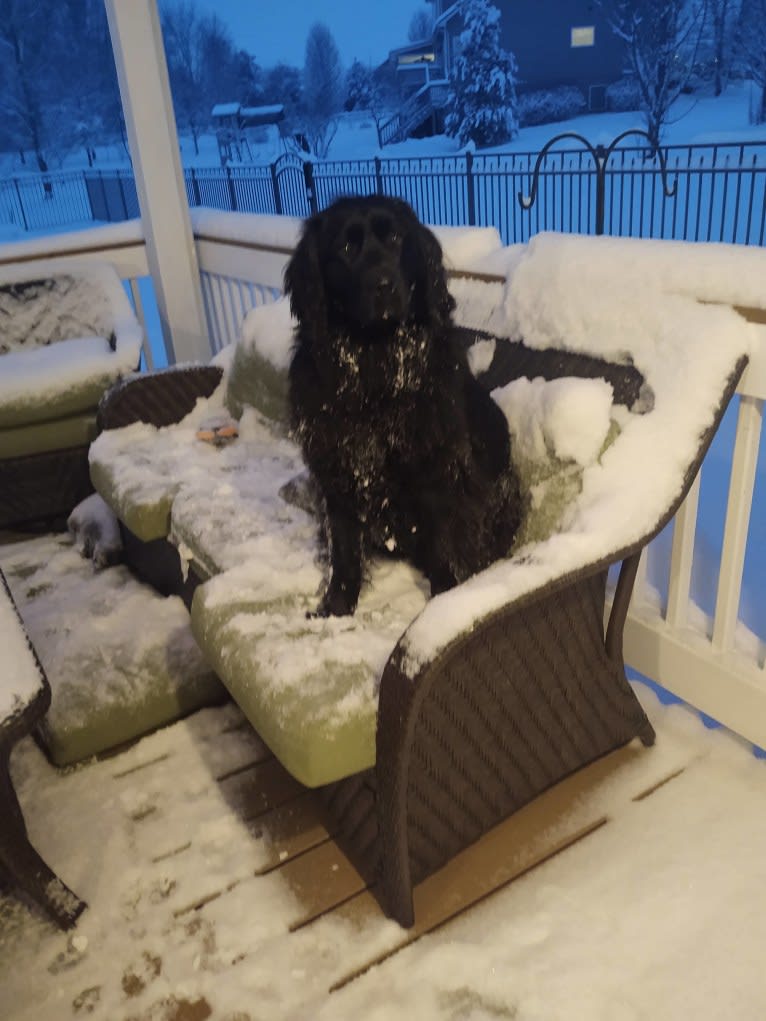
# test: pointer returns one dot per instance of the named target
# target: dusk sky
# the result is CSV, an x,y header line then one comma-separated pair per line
x,y
276,30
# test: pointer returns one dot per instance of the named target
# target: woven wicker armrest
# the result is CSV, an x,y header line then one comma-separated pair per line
x,y
512,359
521,701
157,398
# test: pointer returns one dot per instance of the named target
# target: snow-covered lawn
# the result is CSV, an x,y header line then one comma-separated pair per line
x,y
696,119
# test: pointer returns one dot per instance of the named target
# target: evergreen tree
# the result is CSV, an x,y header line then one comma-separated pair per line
x,y
482,98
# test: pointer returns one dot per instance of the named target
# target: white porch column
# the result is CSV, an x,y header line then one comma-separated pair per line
x,y
134,26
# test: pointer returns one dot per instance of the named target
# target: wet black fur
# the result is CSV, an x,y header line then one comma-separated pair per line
x,y
408,449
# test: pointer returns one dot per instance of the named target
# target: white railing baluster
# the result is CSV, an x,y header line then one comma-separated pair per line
x,y
138,307
220,303
744,465
682,558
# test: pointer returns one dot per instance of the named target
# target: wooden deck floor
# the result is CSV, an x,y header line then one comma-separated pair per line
x,y
205,865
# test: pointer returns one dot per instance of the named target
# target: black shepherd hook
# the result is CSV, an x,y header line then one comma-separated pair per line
x,y
601,157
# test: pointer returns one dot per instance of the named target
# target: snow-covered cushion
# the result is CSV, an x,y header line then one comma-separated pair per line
x,y
99,702
64,338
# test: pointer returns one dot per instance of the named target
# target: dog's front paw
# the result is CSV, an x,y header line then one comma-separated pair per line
x,y
334,603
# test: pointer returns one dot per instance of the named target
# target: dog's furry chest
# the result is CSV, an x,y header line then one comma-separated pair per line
x,y
372,434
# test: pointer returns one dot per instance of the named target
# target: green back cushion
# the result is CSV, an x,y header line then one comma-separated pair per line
x,y
257,375
558,428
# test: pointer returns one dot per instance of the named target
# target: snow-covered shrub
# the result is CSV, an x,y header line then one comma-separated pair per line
x,y
482,96
546,105
623,95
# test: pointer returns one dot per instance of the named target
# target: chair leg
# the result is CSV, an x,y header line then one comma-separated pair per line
x,y
22,865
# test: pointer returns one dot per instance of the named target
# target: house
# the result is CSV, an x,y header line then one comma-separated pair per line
x,y
555,42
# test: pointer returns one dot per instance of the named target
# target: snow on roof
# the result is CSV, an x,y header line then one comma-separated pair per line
x,y
263,111
225,110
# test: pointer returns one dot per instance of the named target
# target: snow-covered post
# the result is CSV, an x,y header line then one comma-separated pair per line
x,y
134,26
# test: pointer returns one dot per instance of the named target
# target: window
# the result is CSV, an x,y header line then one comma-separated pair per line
x,y
584,35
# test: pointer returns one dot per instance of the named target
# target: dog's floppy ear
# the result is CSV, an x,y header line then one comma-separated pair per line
x,y
433,302
303,279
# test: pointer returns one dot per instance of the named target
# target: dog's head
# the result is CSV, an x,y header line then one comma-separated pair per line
x,y
367,266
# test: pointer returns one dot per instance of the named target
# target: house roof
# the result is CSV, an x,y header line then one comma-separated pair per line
x,y
251,116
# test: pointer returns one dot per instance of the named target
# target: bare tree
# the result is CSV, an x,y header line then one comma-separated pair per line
x,y
31,93
751,48
662,39
322,89
421,25
366,91
722,25
203,64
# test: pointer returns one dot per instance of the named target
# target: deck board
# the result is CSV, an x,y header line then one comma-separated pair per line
x,y
232,869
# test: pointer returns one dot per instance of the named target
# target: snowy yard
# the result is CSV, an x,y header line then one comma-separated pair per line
x,y
695,120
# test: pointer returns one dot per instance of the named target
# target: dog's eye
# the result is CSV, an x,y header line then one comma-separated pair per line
x,y
353,241
385,231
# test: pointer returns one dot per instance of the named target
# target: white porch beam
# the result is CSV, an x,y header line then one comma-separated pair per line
x,y
134,26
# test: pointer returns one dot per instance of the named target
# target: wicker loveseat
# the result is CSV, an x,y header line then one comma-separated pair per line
x,y
67,332
424,723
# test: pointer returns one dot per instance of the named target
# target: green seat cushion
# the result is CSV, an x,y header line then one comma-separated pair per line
x,y
308,686
40,437
139,469
121,660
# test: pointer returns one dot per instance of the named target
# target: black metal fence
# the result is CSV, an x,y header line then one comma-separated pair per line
x,y
718,191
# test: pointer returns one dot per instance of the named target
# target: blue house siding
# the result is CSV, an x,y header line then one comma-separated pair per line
x,y
539,33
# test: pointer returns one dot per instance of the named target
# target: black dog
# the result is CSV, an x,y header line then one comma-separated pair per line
x,y
408,449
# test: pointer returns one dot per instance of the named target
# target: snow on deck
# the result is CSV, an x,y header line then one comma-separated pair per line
x,y
202,896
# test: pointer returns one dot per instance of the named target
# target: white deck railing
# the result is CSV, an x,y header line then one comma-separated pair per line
x,y
712,661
